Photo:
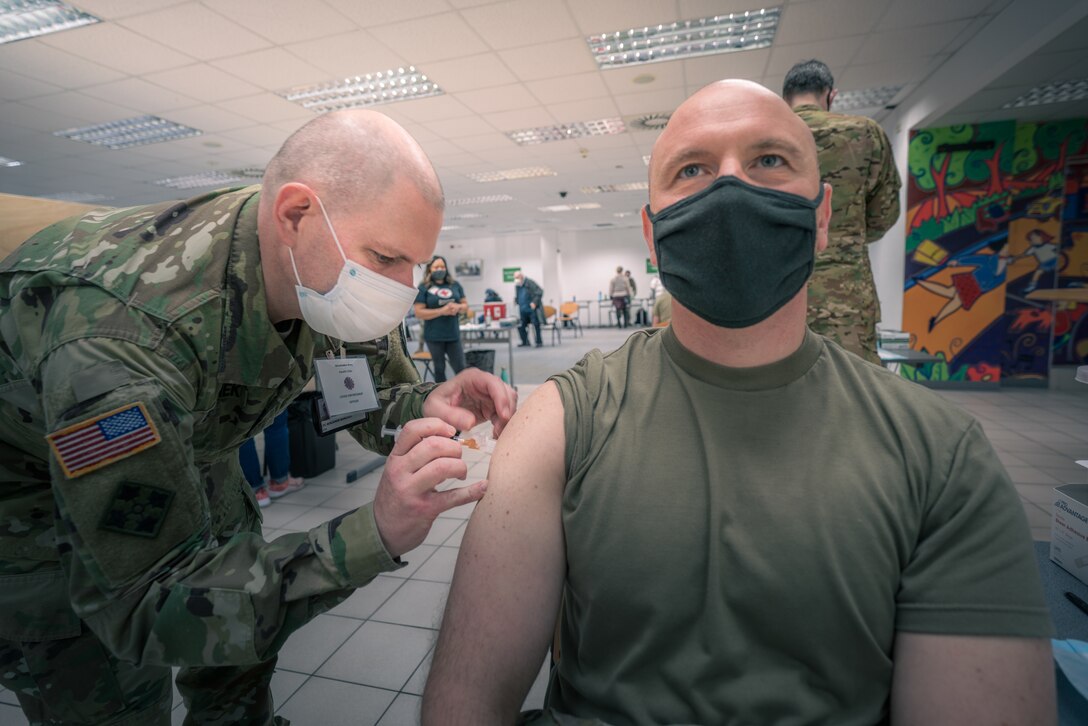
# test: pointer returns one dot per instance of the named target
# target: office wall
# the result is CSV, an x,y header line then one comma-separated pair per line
x,y
21,217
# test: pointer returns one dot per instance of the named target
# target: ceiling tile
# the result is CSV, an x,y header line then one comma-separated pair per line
x,y
522,119
503,25
909,42
259,135
284,21
484,142
812,21
195,30
36,60
550,60
348,54
887,73
17,115
141,95
502,98
119,48
367,15
609,17
665,100
568,88
204,82
266,107
114,9
929,12
669,74
1041,68
589,109
835,53
468,74
749,64
89,110
432,38
272,69
14,86
433,108
211,119
456,128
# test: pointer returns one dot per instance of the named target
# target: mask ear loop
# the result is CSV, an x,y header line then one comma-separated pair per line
x,y
331,228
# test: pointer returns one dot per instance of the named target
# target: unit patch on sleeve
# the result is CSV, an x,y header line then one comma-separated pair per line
x,y
103,439
138,509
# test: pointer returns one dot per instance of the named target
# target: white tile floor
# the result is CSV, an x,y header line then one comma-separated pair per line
x,y
366,661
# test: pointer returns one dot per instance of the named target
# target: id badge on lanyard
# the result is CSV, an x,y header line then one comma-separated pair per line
x,y
347,392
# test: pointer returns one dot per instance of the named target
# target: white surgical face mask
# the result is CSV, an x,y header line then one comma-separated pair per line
x,y
361,306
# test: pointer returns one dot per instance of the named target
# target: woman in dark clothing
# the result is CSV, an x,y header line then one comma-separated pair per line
x,y
439,303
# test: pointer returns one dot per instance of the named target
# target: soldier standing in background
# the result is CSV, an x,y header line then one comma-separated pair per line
x,y
138,349
856,160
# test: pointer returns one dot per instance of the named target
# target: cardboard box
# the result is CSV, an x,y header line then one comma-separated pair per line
x,y
1069,530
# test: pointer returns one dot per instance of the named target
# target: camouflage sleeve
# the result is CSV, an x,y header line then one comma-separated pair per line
x,y
882,193
400,393
134,525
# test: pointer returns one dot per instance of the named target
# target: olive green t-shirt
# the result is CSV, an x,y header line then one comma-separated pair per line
x,y
743,544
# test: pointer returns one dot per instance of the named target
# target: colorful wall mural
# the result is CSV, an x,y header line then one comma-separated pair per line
x,y
997,223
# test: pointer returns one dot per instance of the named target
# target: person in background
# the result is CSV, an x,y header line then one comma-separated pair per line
x,y
856,160
277,459
655,287
439,304
492,296
529,297
620,291
139,348
662,309
737,521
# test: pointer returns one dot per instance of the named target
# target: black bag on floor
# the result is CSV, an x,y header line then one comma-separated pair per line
x,y
311,454
482,358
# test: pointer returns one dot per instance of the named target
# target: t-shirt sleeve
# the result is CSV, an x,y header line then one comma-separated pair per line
x,y
421,296
973,571
577,396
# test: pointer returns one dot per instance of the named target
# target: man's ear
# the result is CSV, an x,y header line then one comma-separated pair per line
x,y
823,219
648,234
293,202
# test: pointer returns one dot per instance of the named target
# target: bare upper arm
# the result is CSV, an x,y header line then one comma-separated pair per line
x,y
506,589
948,679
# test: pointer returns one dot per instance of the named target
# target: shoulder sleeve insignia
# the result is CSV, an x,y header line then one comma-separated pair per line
x,y
137,509
103,439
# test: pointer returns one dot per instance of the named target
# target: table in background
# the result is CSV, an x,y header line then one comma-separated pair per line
x,y
893,356
476,333
1069,621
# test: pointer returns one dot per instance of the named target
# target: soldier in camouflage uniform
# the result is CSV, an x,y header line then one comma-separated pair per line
x,y
856,160
138,349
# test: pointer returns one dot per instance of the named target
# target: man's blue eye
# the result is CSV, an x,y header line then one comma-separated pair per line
x,y
689,171
771,160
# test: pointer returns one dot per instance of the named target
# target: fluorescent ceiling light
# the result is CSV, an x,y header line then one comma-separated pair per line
x,y
527,172
1059,92
623,214
748,30
466,215
448,227
625,187
21,19
487,199
875,97
561,132
130,132
400,84
5,161
570,207
203,179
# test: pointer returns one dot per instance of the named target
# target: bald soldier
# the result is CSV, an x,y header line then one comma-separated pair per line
x,y
138,349
856,160
737,521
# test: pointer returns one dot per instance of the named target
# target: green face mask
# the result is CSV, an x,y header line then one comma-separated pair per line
x,y
735,253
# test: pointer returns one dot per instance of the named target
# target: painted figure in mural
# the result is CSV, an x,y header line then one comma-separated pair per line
x,y
1044,248
987,273
856,159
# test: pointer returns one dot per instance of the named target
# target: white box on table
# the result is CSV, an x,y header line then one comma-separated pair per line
x,y
1069,530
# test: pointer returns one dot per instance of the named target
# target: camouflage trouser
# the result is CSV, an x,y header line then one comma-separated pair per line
x,y
76,680
842,304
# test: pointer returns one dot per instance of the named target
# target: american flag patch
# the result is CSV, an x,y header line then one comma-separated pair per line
x,y
104,439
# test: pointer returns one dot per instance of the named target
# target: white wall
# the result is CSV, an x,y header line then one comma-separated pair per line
x,y
523,250
590,259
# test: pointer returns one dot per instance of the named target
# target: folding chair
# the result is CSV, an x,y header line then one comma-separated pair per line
x,y
553,325
568,313
424,357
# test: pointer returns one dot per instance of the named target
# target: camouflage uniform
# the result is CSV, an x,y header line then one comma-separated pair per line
x,y
155,318
856,160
